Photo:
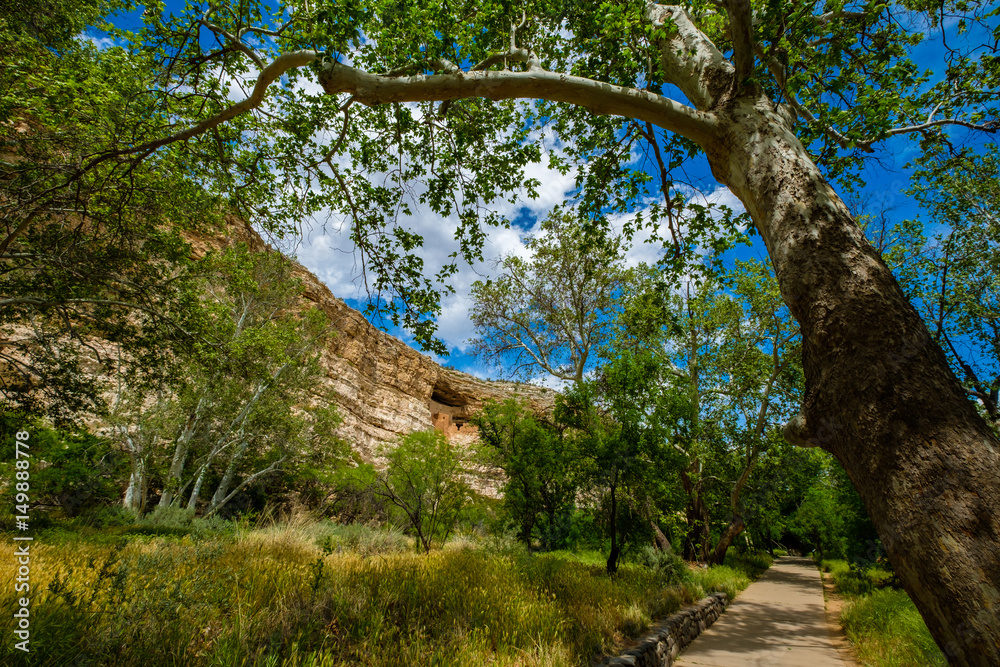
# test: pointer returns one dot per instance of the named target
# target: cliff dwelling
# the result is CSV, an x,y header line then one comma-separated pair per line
x,y
450,412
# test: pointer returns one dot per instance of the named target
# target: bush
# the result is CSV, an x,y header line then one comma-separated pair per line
x,y
855,579
361,539
106,517
670,567
74,471
177,521
751,563
722,578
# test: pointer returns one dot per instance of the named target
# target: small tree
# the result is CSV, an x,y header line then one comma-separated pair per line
x,y
623,421
539,466
422,480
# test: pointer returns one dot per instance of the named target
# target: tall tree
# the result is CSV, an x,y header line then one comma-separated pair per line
x,y
250,401
93,266
538,464
762,382
552,311
764,92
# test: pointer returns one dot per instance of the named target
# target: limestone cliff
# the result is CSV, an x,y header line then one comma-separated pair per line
x,y
385,388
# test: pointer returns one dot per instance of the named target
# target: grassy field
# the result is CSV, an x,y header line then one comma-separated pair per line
x,y
881,621
321,594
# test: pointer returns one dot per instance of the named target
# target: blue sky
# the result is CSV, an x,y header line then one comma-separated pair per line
x,y
328,253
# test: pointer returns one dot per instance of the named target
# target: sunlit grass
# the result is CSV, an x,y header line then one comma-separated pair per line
x,y
887,631
320,594
882,622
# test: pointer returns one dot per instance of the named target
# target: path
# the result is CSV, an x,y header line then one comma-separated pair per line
x,y
778,621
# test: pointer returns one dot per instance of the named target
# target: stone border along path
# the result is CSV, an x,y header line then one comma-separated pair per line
x,y
778,621
668,637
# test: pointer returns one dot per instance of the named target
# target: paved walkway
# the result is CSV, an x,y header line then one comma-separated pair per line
x,y
778,621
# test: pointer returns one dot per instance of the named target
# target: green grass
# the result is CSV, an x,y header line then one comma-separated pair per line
x,y
880,620
321,594
887,631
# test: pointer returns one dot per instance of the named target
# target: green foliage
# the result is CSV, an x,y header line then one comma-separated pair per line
x,y
360,539
950,270
621,422
177,521
832,519
817,519
752,563
668,565
80,471
539,468
857,579
422,480
551,313
94,265
880,619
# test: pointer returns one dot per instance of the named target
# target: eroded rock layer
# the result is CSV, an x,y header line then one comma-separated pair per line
x,y
383,387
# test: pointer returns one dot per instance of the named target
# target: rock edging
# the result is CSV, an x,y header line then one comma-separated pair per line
x,y
659,648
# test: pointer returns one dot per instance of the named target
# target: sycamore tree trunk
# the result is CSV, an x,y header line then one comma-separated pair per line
x,y
612,565
698,541
734,528
879,392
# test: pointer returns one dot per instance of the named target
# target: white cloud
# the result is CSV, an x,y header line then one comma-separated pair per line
x,y
100,43
331,256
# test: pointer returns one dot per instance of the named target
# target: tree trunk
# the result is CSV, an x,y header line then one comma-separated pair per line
x,y
698,541
196,489
180,454
660,540
736,525
612,564
879,393
134,495
734,528
227,479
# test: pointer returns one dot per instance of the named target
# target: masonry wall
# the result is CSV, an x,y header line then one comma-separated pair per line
x,y
659,648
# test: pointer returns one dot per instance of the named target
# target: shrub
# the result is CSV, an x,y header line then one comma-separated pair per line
x,y
361,539
670,568
751,563
722,578
176,521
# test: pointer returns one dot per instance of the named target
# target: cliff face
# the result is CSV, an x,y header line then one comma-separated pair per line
x,y
384,388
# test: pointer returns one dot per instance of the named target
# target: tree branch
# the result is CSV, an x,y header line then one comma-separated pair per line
x,y
778,72
235,41
823,19
741,32
990,126
600,98
268,75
